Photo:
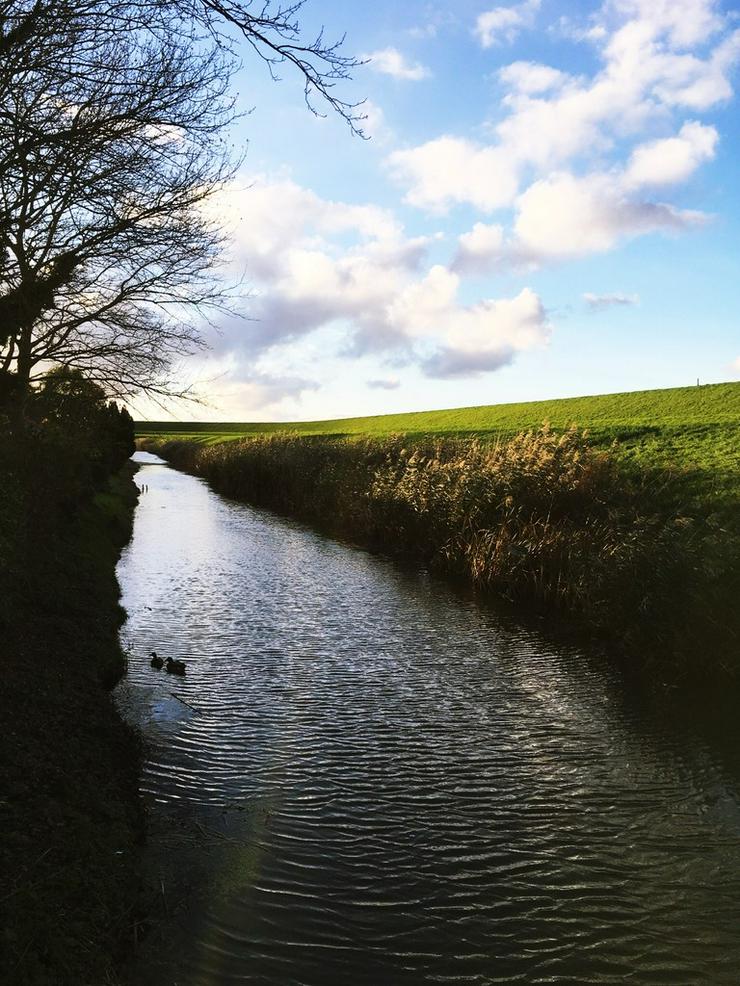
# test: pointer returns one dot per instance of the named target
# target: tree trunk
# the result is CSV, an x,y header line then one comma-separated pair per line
x,y
24,365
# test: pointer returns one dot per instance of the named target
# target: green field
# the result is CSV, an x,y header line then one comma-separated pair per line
x,y
694,428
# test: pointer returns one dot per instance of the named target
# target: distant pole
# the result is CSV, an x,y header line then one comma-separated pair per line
x,y
697,381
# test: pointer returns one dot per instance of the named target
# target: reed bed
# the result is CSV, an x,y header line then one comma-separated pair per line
x,y
543,516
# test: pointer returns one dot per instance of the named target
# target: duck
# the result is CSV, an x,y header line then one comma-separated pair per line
x,y
175,667
156,661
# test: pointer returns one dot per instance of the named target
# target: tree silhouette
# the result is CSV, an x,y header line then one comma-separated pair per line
x,y
113,138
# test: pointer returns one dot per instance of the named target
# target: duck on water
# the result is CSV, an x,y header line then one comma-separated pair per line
x,y
174,667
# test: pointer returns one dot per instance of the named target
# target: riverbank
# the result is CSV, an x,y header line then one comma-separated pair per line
x,y
71,818
634,553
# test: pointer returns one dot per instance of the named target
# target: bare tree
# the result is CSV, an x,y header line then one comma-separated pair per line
x,y
272,31
113,121
106,240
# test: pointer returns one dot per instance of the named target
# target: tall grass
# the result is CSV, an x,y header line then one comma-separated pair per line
x,y
543,516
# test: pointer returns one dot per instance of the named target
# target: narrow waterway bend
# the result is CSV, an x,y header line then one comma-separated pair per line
x,y
366,777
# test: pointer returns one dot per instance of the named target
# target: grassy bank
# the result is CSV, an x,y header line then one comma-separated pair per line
x,y
640,554
692,428
70,814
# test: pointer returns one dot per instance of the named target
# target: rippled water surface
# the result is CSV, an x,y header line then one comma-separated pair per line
x,y
366,779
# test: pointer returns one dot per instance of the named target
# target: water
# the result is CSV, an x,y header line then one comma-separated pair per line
x,y
377,781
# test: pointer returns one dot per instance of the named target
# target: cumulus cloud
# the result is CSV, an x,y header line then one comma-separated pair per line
x,y
268,389
424,31
386,383
566,216
451,170
466,339
390,61
531,77
600,302
265,215
373,123
235,387
479,250
436,21
505,23
658,59
488,335
316,263
674,159
684,22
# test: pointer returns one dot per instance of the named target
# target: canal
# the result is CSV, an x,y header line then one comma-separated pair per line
x,y
367,777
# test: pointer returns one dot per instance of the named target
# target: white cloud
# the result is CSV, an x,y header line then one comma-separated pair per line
x,y
658,58
421,307
666,162
564,216
736,365
315,263
651,50
505,23
423,31
235,388
568,27
479,249
264,216
390,61
685,23
544,132
600,302
385,383
271,390
450,170
436,20
531,77
467,339
488,335
694,83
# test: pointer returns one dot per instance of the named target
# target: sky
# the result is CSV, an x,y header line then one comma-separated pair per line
x,y
548,205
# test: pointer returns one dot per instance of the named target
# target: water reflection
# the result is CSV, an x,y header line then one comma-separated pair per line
x,y
367,779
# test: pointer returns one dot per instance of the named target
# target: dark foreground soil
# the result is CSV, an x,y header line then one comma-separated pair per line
x,y
70,818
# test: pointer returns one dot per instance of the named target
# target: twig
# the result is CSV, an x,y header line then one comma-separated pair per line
x,y
192,707
23,954
44,853
32,886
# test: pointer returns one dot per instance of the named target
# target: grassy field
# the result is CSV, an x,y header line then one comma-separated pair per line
x,y
692,428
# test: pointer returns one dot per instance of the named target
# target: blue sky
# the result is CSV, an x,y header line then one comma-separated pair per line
x,y
548,206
